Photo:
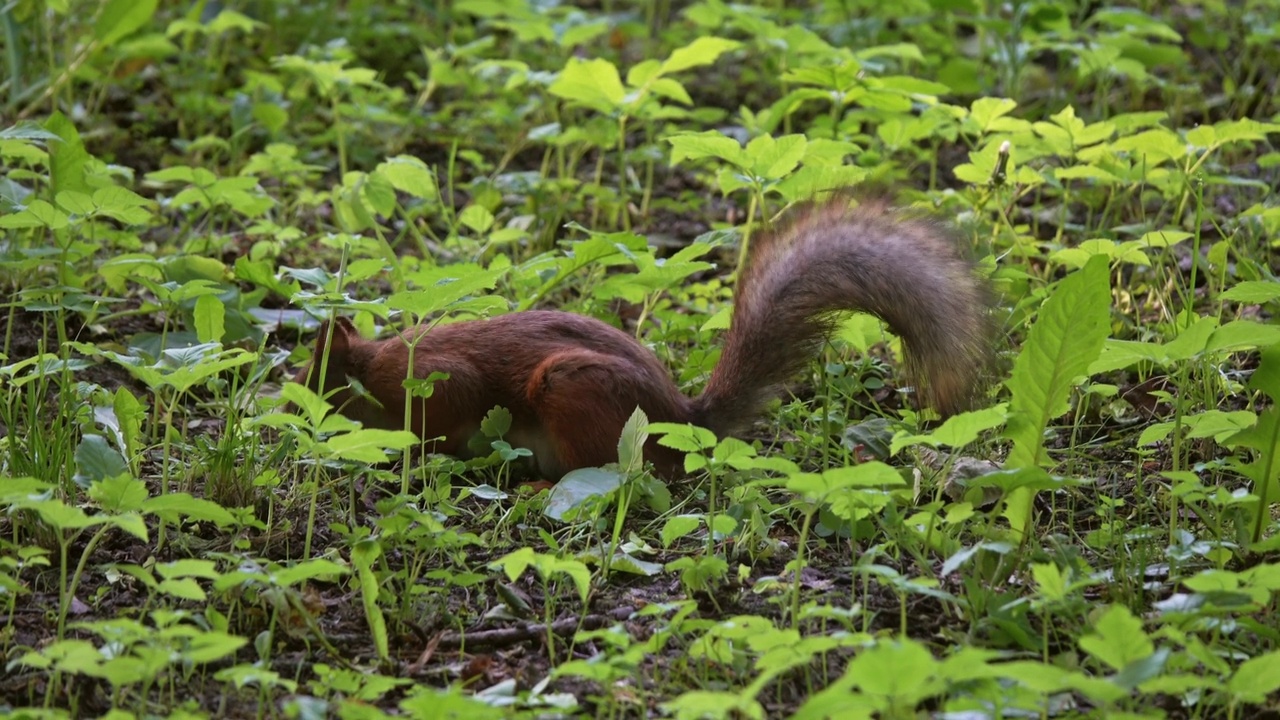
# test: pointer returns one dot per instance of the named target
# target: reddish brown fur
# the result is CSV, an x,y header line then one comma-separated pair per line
x,y
570,381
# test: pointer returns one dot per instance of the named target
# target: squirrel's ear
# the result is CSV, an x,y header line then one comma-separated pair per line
x,y
343,331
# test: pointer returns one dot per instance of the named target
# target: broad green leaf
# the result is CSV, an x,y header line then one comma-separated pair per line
x,y
1253,292
1242,335
313,569
578,489
956,431
1154,147
679,526
119,494
699,704
175,507
593,83
211,646
210,319
38,213
696,146
985,111
702,51
68,158
1256,678
1163,238
1065,339
1117,639
369,445
120,18
409,175
183,589
1067,336
96,461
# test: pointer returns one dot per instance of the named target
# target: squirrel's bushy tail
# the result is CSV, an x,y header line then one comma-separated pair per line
x,y
832,257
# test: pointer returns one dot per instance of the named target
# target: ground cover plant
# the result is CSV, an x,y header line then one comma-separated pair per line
x,y
188,189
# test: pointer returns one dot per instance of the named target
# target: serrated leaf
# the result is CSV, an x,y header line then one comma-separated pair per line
x,y
1117,639
696,146
1065,339
96,461
679,526
369,445
635,432
119,493
1253,292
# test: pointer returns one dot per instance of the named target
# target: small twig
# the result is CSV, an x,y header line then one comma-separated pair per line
x,y
425,657
503,637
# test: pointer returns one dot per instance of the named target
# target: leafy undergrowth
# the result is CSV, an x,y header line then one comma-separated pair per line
x,y
185,192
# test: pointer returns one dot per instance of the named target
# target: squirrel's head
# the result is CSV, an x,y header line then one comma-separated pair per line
x,y
330,359
346,364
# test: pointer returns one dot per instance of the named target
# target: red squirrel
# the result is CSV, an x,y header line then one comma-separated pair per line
x,y
570,382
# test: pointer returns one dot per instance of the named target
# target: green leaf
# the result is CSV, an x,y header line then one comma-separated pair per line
x,y
210,316
211,646
119,494
1050,582
1162,238
122,204
62,516
903,671
699,704
461,281
369,445
121,18
1117,639
679,526
593,83
696,146
771,158
129,522
409,175
1256,678
363,556
1253,292
957,431
635,433
1065,339
173,507
96,461
183,589
313,569
67,158
1153,147
578,490
985,111
627,563
496,422
702,51
1242,335
685,438
874,474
